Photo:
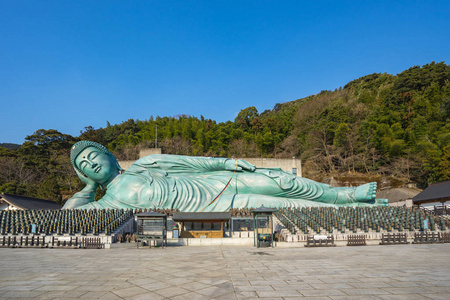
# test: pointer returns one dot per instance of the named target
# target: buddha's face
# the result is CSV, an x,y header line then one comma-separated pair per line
x,y
96,165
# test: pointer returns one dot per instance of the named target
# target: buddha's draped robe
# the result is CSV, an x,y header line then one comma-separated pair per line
x,y
191,183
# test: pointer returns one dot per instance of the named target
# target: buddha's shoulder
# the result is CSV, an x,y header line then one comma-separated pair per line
x,y
129,180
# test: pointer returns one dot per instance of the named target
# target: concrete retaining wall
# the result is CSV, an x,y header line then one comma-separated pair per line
x,y
284,164
288,165
149,151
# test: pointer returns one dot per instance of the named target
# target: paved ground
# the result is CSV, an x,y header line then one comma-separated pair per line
x,y
225,272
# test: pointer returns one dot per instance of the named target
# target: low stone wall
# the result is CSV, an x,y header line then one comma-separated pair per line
x,y
188,242
50,241
373,238
211,242
243,234
238,239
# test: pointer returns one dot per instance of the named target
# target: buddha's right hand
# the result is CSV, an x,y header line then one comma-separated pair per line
x,y
84,196
91,185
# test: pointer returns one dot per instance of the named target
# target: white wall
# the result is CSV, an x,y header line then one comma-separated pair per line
x,y
284,164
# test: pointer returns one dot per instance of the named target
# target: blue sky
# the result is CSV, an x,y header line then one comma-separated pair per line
x,y
66,65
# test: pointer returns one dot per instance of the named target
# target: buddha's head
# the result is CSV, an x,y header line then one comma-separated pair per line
x,y
94,161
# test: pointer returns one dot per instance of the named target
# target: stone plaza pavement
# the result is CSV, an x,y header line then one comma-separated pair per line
x,y
228,272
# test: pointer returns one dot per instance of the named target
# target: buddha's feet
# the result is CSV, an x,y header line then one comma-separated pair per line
x,y
366,192
382,202
361,195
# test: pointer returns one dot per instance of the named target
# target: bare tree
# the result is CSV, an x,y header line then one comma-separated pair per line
x,y
177,145
16,170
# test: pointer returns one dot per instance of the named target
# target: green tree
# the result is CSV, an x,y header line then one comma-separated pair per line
x,y
341,135
13,187
49,189
443,168
51,139
246,116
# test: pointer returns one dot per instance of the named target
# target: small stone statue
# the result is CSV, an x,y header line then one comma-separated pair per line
x,y
192,184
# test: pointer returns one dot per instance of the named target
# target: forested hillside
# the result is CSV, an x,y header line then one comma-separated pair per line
x,y
395,126
9,146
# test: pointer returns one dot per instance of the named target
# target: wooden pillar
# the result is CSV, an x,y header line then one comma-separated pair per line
x,y
181,228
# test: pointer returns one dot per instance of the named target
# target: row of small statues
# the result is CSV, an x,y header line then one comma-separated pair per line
x,y
126,238
241,212
167,211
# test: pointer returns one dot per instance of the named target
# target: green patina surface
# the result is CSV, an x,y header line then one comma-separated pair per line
x,y
200,184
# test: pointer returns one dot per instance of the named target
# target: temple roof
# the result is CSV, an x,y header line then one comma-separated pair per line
x,y
263,209
151,214
28,203
437,192
201,216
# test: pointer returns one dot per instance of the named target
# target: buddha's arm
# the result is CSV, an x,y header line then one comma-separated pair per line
x,y
180,164
83,197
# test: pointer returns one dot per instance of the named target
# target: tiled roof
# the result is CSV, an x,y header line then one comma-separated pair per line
x,y
437,192
201,216
28,203
150,214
